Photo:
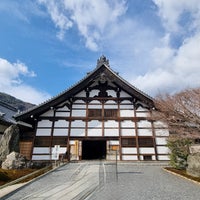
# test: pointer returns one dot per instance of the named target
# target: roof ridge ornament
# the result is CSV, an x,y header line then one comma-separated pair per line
x,y
103,60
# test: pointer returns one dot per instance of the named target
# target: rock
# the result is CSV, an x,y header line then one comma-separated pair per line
x,y
193,162
9,142
14,161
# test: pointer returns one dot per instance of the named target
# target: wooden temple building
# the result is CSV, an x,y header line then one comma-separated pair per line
x,y
96,118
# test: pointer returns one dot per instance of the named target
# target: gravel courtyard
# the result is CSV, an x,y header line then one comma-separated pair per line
x,y
98,180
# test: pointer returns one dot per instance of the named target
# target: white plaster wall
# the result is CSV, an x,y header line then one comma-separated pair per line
x,y
122,106
94,93
78,123
77,132
78,113
61,123
97,106
129,157
81,94
128,124
65,108
94,123
94,132
127,113
163,157
60,132
72,142
144,123
44,123
62,114
62,150
43,132
162,150
126,102
161,141
111,132
41,150
141,109
107,106
111,123
124,94
127,150
128,132
49,113
83,106
162,132
111,93
142,114
145,132
159,124
114,142
147,150
41,157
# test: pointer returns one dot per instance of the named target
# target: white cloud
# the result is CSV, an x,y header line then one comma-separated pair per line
x,y
91,18
11,82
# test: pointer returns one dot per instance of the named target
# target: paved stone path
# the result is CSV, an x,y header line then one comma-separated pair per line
x,y
99,181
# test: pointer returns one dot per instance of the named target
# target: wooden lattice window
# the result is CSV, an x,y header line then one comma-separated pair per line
x,y
128,142
62,141
44,141
110,113
145,142
94,113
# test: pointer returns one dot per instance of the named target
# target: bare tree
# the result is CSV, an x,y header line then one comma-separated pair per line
x,y
181,112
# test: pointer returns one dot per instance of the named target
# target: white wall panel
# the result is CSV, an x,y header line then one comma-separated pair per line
x,y
161,141
162,150
94,93
128,150
128,132
111,123
159,124
114,142
124,94
97,106
81,94
78,113
145,132
82,106
147,150
128,157
41,150
163,157
107,106
43,132
61,123
111,93
161,132
49,113
142,114
44,123
144,123
141,109
94,132
41,157
62,150
77,132
111,132
128,124
122,106
127,113
65,108
95,123
126,102
62,114
60,132
78,123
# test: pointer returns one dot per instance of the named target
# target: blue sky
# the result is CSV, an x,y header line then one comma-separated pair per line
x,y
48,45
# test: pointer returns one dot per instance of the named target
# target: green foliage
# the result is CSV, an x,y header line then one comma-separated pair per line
x,y
179,148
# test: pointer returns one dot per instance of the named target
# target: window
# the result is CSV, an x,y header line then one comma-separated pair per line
x,y
98,113
147,157
145,142
128,142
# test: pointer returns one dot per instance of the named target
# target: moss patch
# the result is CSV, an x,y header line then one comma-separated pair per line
x,y
183,173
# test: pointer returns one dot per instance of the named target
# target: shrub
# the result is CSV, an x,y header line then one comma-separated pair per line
x,y
179,148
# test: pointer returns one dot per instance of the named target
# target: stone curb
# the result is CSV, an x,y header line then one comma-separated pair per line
x,y
170,172
20,185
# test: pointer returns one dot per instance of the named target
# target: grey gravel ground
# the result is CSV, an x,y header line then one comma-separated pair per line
x,y
99,181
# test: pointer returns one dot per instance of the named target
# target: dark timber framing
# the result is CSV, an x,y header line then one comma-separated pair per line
x,y
101,107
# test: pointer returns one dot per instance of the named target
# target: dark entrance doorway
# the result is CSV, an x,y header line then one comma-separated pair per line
x,y
93,149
